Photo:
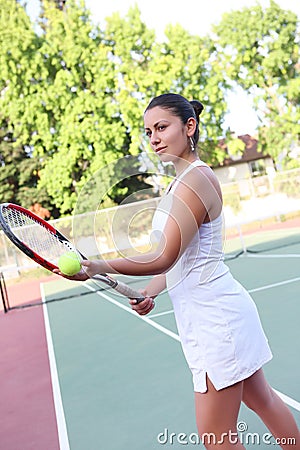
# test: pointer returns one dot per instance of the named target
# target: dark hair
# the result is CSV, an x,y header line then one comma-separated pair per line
x,y
180,107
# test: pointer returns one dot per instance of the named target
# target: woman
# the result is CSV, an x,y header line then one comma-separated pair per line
x,y
220,331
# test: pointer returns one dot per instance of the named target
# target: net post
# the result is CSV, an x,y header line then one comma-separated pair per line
x,y
4,294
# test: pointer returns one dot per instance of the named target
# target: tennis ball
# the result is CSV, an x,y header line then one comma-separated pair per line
x,y
69,263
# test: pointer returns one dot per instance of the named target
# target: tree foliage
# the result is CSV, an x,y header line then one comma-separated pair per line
x,y
73,93
260,51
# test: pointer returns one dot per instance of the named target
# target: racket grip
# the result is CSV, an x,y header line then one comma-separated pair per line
x,y
124,289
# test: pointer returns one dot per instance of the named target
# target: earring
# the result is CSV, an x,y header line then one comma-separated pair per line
x,y
192,144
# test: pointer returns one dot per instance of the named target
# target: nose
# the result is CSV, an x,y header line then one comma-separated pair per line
x,y
154,138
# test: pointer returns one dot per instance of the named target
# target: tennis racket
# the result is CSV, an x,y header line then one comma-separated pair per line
x,y
40,241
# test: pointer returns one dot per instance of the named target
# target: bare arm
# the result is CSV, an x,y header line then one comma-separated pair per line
x,y
156,285
193,201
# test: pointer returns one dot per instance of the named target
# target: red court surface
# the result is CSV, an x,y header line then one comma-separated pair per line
x,y
27,411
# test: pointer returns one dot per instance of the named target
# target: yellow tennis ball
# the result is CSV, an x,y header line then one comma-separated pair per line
x,y
69,263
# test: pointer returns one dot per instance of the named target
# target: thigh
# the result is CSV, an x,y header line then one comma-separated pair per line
x,y
257,393
217,411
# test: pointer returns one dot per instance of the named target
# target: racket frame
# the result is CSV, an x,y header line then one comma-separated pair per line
x,y
21,245
120,287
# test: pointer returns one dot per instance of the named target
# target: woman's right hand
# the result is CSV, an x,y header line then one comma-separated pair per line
x,y
80,276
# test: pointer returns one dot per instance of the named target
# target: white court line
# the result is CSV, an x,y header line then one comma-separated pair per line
x,y
161,314
269,286
288,400
262,288
59,409
288,255
130,311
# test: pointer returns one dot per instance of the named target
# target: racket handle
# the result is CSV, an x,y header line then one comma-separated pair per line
x,y
124,289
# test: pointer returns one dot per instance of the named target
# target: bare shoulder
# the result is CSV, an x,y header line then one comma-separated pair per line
x,y
210,177
201,191
201,179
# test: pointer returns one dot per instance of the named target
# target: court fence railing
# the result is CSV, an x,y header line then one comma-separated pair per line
x,y
273,198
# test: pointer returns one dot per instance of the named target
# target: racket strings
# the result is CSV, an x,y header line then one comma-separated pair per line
x,y
35,235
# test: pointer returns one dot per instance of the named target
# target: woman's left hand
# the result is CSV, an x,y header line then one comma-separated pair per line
x,y
145,306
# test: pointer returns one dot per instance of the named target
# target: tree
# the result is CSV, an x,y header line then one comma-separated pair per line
x,y
187,64
184,64
73,96
235,146
10,158
259,49
19,169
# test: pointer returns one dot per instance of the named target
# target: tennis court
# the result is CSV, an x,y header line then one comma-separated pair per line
x,y
120,381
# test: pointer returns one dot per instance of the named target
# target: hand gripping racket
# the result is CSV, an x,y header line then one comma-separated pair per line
x,y
40,241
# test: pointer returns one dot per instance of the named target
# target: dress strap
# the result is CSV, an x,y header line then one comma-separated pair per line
x,y
176,181
197,163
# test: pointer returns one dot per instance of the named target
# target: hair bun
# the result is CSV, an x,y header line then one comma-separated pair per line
x,y
198,108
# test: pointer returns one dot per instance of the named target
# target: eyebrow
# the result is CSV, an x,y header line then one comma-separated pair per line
x,y
156,123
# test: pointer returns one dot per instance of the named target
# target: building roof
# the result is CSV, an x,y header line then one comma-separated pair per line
x,y
251,153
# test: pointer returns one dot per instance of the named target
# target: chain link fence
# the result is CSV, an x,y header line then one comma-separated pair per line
x,y
128,227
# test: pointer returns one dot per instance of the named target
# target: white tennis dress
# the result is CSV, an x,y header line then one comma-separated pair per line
x,y
217,320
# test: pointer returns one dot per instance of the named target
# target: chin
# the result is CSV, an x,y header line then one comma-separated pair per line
x,y
166,157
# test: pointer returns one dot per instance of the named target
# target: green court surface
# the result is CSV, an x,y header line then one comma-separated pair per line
x,y
123,382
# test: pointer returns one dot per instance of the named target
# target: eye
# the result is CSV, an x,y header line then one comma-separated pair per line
x,y
161,127
148,134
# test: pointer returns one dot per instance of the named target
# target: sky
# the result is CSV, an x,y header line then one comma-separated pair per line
x,y
196,16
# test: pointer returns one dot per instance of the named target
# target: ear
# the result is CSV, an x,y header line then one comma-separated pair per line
x,y
191,126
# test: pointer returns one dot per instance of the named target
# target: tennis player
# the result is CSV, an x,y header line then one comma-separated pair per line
x,y
218,324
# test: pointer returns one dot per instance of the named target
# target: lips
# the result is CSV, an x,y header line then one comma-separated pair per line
x,y
160,149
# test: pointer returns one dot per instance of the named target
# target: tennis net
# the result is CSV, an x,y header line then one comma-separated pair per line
x,y
262,216
263,236
125,230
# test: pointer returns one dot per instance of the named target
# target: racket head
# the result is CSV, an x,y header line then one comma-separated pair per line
x,y
35,237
